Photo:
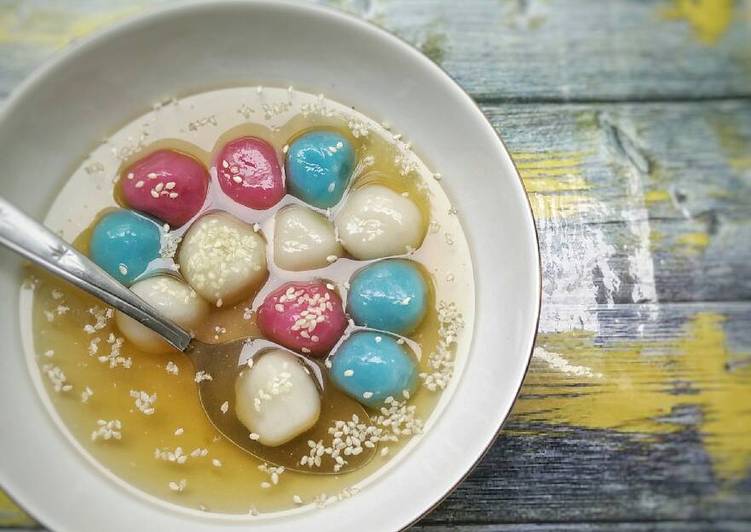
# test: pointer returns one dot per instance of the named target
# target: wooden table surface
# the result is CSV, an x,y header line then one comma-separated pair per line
x,y
630,122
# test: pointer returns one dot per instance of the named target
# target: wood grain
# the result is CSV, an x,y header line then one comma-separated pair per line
x,y
625,199
630,123
535,50
645,419
655,526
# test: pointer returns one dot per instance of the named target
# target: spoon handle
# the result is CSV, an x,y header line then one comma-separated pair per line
x,y
32,240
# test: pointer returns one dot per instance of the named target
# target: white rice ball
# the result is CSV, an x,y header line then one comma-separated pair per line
x,y
303,239
222,258
174,300
276,398
377,222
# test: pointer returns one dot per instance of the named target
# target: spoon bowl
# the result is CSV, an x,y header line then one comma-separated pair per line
x,y
223,362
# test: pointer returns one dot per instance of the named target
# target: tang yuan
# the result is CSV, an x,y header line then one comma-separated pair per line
x,y
319,167
222,258
304,239
371,366
174,300
248,172
389,295
305,316
123,243
247,215
377,222
167,184
276,399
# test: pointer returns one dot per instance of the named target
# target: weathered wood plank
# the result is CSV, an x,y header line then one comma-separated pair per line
x,y
509,50
636,202
579,50
649,419
12,516
639,526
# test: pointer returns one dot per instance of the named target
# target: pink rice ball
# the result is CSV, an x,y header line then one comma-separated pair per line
x,y
303,316
249,172
166,184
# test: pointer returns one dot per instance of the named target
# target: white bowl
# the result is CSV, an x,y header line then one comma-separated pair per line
x,y
58,114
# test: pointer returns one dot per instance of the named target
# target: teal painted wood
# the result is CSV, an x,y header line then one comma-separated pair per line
x,y
655,526
623,188
543,472
571,50
497,49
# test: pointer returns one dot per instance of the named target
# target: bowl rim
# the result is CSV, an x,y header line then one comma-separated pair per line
x,y
38,76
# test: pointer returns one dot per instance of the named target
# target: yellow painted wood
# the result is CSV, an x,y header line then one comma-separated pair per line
x,y
11,515
628,387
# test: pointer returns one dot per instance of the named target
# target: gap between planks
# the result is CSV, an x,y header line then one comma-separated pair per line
x,y
489,99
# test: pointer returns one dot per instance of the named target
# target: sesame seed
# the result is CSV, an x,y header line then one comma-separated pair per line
x,y
154,194
216,462
49,353
225,164
367,395
179,431
331,259
169,185
159,187
202,376
178,486
296,499
265,485
173,195
255,437
151,175
378,339
237,179
86,394
172,368
348,372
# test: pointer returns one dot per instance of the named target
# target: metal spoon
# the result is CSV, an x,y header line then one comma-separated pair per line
x,y
35,242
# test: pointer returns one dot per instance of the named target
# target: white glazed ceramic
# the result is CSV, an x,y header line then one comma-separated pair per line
x,y
56,117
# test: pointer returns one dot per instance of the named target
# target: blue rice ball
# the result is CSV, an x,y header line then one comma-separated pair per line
x,y
319,167
370,366
389,295
123,243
